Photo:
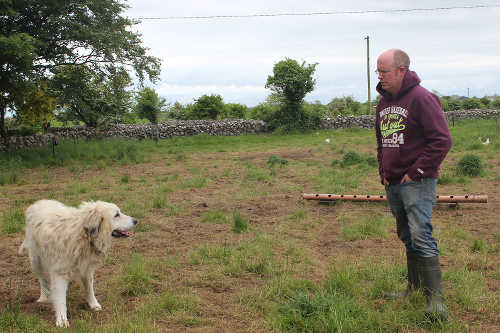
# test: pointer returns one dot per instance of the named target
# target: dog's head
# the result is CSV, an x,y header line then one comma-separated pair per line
x,y
103,220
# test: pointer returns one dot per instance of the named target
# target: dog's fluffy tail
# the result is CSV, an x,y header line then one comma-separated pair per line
x,y
22,248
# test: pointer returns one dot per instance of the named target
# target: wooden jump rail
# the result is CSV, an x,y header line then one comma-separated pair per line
x,y
355,197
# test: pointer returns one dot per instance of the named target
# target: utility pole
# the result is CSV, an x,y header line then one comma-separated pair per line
x,y
368,72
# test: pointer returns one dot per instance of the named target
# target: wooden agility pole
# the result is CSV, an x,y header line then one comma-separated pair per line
x,y
468,198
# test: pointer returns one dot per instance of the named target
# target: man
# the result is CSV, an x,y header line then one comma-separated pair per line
x,y
412,141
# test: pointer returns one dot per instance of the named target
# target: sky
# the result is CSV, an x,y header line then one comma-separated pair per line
x,y
454,51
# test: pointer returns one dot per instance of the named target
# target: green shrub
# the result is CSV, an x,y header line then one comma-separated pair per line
x,y
470,165
240,224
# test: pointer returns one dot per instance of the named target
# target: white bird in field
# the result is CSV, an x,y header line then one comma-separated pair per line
x,y
327,140
487,142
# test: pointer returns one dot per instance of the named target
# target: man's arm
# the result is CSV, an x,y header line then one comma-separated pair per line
x,y
437,137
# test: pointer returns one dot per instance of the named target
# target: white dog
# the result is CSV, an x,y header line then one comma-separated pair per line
x,y
65,242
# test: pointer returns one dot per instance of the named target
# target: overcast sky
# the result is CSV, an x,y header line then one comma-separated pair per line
x,y
454,51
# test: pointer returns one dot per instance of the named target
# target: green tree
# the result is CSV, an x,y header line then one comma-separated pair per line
x,y
181,112
90,98
485,101
208,107
451,103
345,105
36,37
292,81
496,102
36,106
471,103
149,105
234,111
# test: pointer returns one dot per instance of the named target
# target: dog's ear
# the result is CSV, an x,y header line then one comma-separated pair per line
x,y
93,219
92,231
97,227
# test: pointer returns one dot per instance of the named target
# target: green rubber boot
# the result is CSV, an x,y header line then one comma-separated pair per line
x,y
430,277
413,278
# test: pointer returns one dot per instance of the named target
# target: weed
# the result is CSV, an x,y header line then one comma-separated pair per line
x,y
240,224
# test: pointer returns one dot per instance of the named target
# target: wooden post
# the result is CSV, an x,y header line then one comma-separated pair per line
x,y
368,72
468,198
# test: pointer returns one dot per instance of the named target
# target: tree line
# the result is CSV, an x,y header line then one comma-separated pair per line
x,y
71,62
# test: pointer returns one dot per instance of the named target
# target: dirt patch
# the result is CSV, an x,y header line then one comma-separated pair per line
x,y
269,205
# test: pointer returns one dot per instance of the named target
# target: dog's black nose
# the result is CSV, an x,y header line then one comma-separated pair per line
x,y
134,221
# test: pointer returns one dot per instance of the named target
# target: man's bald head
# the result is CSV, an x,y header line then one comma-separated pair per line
x,y
397,58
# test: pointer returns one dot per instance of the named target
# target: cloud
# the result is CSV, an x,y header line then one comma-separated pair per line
x,y
451,50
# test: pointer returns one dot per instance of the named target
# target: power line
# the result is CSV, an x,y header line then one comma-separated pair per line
x,y
348,12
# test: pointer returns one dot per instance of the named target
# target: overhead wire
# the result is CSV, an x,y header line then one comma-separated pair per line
x,y
347,12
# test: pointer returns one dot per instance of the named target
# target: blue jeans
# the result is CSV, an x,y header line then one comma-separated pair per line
x,y
411,204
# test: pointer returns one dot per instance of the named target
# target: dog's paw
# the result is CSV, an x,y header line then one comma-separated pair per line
x,y
62,322
95,307
43,299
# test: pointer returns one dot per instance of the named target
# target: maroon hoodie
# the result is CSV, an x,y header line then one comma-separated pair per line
x,y
412,134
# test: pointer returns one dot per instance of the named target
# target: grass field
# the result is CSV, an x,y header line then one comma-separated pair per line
x,y
226,244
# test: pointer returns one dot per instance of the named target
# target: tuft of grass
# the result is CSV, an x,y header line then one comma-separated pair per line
x,y
12,221
11,317
447,179
168,304
479,245
125,179
257,174
373,226
136,278
135,209
274,160
350,158
214,216
10,177
159,202
197,182
298,215
468,288
240,224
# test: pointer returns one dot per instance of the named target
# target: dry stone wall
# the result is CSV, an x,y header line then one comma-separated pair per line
x,y
210,127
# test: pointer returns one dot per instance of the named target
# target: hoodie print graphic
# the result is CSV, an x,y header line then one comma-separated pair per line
x,y
392,126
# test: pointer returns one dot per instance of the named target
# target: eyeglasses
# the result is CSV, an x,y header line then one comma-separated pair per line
x,y
383,72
